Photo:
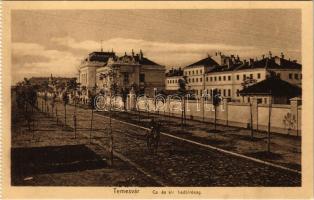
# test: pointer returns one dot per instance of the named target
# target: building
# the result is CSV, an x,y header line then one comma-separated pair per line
x,y
229,74
272,87
51,81
88,67
131,71
172,79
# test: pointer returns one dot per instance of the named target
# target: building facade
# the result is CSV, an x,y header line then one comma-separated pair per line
x,y
88,67
229,74
172,79
131,72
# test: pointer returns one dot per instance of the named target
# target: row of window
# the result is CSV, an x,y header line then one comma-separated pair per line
x,y
225,78
295,76
223,92
84,78
172,81
196,72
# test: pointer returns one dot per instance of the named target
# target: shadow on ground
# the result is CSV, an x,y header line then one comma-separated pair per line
x,y
52,159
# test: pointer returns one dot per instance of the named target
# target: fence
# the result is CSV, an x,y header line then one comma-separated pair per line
x,y
285,119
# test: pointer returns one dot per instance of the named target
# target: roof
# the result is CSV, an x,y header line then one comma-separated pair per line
x,y
207,62
274,86
223,68
139,59
270,63
174,72
144,60
100,56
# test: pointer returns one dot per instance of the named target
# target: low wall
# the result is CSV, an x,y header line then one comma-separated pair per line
x,y
285,119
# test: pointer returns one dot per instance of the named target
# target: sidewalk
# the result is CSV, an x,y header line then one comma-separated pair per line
x,y
48,155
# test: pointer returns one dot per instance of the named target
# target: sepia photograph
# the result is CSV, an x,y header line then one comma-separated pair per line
x,y
157,98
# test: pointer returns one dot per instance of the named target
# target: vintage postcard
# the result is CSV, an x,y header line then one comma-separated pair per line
x,y
142,100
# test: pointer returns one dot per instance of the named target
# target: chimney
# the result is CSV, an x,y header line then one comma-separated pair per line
x,y
132,53
270,55
141,54
282,55
251,61
124,53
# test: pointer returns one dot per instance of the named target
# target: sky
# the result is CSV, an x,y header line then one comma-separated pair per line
x,y
55,41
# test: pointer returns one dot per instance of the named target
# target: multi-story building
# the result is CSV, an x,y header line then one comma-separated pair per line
x,y
88,67
172,79
228,74
131,71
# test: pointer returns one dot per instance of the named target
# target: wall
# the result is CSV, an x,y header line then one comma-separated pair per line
x,y
285,119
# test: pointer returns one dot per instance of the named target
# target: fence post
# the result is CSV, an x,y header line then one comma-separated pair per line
x,y
254,113
74,123
294,104
57,114
225,110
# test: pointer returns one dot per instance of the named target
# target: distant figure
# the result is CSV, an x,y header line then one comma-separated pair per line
x,y
153,136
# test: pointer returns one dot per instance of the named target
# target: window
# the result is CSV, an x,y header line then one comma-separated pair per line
x,y
238,77
201,92
290,76
201,71
207,79
201,79
251,76
193,72
229,78
189,72
224,78
229,92
300,76
211,78
224,92
258,75
238,92
296,76
219,78
265,100
196,71
193,80
215,78
244,76
142,77
189,80
196,79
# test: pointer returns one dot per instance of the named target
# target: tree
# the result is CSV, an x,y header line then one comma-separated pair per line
x,y
65,99
182,92
111,77
92,105
246,83
124,94
216,101
73,87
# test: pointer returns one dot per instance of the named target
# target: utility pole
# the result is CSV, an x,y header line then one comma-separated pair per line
x,y
269,118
